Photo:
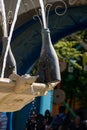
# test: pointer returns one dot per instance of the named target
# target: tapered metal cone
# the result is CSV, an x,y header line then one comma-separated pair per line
x,y
48,67
10,61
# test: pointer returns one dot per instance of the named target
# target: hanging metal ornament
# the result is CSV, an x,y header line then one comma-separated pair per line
x,y
48,67
11,63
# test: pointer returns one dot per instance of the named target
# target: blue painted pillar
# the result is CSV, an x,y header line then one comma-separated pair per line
x,y
46,102
9,123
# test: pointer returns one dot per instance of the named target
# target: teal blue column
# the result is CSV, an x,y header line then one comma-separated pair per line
x,y
46,102
9,123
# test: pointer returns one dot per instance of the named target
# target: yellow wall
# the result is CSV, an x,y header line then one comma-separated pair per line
x,y
55,107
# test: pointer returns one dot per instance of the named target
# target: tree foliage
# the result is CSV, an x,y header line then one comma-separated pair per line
x,y
70,50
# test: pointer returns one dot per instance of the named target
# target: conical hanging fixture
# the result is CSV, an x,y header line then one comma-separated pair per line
x,y
48,67
10,63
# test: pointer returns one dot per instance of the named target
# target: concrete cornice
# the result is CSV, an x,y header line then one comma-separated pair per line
x,y
27,5
27,10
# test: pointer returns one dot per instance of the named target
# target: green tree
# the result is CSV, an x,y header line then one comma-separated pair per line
x,y
70,50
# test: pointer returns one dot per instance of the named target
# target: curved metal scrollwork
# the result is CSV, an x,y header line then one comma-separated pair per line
x,y
10,17
61,5
48,7
35,17
60,10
